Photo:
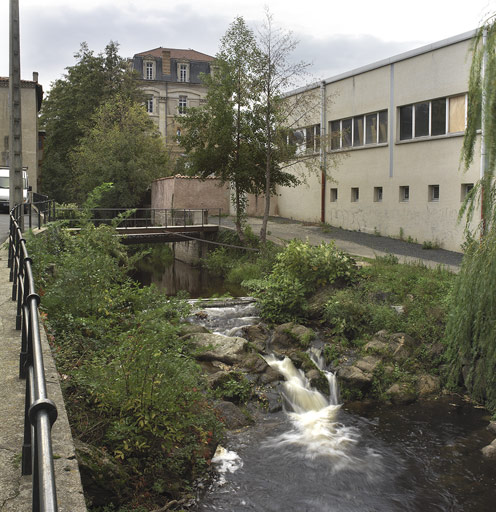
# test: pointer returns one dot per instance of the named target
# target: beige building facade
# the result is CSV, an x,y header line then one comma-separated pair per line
x,y
31,98
171,81
395,132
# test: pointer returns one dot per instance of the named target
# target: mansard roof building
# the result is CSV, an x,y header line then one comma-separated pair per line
x,y
171,81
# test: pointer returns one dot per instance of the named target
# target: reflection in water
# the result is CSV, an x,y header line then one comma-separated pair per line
x,y
174,276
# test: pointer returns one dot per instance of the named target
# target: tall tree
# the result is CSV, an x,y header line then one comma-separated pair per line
x,y
123,147
277,74
68,111
471,350
220,136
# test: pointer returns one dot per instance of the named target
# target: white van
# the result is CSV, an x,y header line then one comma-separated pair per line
x,y
5,188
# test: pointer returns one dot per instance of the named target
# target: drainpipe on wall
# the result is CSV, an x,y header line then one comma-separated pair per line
x,y
166,109
483,164
323,150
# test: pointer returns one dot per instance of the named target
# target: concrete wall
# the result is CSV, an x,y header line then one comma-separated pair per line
x,y
29,116
439,71
190,192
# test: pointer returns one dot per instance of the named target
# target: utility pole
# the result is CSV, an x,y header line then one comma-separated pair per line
x,y
15,134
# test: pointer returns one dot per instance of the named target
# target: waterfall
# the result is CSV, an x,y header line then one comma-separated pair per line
x,y
314,417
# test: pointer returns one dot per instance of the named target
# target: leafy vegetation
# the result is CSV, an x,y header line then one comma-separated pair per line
x,y
299,270
470,329
131,387
97,105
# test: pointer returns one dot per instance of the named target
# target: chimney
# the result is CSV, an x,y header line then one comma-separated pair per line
x,y
166,64
35,76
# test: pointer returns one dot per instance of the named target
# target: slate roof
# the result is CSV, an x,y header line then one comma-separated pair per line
x,y
177,53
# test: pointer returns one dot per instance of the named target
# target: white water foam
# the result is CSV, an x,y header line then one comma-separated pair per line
x,y
226,461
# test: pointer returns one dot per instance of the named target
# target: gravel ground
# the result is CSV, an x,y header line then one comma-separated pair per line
x,y
353,242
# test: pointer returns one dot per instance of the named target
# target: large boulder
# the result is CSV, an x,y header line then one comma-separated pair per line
x,y
402,393
257,336
489,451
428,385
231,415
215,347
354,377
289,337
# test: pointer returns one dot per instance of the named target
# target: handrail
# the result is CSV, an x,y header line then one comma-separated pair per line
x,y
141,217
40,412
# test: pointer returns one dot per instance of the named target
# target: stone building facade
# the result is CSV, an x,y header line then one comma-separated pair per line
x,y
171,81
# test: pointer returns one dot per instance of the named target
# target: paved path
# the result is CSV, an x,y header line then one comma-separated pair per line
x,y
352,242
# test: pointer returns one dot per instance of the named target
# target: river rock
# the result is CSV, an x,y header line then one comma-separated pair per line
x,y
353,376
428,385
489,451
368,364
492,426
215,347
188,329
102,476
231,415
290,336
401,393
257,335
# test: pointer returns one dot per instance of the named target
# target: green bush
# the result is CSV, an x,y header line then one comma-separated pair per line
x,y
299,270
130,386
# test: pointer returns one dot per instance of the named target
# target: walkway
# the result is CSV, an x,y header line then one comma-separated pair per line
x,y
15,490
353,242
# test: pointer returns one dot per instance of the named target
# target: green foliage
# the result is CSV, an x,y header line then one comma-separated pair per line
x,y
353,315
123,146
68,110
299,270
471,324
234,387
130,386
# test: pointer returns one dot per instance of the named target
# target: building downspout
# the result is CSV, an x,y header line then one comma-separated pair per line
x,y
166,110
323,151
483,163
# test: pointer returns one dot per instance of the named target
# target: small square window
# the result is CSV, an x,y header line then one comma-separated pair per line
x,y
334,195
355,194
433,193
466,188
404,193
377,194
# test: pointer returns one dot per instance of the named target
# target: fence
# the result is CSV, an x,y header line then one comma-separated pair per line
x,y
40,412
138,217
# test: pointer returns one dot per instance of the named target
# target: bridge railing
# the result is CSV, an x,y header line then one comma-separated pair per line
x,y
141,217
40,412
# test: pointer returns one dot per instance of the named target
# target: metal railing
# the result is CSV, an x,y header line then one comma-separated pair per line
x,y
140,217
40,411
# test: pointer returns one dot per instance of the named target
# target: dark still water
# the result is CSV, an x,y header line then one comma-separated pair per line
x,y
172,275
423,457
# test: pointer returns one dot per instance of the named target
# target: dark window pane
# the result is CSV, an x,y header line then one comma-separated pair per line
x,y
335,135
438,122
371,123
346,134
317,137
358,131
406,122
383,123
309,140
421,119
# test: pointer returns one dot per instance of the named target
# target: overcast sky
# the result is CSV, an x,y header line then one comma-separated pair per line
x,y
334,35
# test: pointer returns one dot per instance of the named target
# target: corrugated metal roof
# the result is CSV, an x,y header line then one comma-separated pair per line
x,y
177,53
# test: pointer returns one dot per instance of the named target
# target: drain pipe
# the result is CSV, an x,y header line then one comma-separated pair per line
x,y
323,150
483,163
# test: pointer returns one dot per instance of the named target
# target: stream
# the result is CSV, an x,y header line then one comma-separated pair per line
x,y
318,455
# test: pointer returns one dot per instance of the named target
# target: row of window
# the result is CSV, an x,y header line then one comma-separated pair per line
x,y
433,193
424,119
359,130
435,117
182,105
182,71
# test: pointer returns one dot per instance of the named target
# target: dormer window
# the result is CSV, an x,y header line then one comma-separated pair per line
x,y
149,70
183,72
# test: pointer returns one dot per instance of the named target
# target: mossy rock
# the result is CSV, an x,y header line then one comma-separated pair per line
x,y
291,336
